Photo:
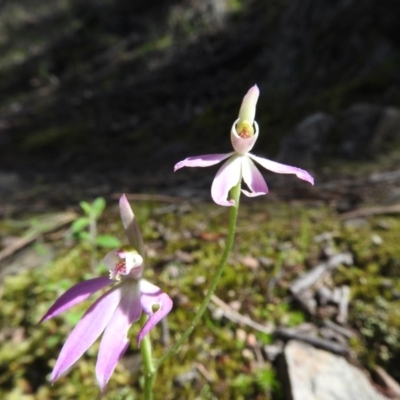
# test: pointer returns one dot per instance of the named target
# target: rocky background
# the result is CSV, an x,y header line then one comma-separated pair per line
x,y
114,88
103,96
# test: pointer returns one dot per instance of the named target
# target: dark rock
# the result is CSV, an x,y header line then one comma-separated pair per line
x,y
387,130
9,181
361,131
307,140
356,130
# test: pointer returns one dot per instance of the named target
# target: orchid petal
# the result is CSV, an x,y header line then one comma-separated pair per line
x,y
253,179
88,329
227,177
130,225
152,295
283,169
133,260
111,259
75,295
147,289
202,161
248,107
243,145
123,262
115,341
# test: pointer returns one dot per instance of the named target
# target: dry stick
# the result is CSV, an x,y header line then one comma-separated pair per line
x,y
55,222
308,279
292,334
370,211
234,316
151,197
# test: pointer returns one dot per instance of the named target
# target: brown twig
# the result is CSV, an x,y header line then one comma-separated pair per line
x,y
236,317
308,279
333,347
151,197
370,211
49,224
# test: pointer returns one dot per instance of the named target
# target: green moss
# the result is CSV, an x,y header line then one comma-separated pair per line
x,y
281,233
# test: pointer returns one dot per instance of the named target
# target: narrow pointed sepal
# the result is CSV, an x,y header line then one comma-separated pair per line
x,y
130,225
283,168
115,337
75,295
88,329
202,161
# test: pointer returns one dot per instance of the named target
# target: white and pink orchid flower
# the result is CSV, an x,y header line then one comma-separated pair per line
x,y
115,311
244,134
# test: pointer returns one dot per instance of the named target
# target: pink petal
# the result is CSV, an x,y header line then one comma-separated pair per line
x,y
111,259
115,341
202,161
75,295
133,263
283,169
253,179
152,295
227,177
131,227
148,289
243,145
87,331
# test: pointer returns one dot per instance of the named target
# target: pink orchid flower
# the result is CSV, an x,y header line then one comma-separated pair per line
x,y
115,311
244,134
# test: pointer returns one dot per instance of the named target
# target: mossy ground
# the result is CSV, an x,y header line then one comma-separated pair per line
x,y
105,76
184,244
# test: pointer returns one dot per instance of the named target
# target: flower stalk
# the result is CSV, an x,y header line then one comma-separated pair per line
x,y
235,196
149,369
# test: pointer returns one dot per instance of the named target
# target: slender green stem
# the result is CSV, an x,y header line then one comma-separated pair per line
x,y
92,238
235,195
149,369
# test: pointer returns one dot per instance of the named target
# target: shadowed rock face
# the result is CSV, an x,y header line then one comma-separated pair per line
x,y
360,132
365,128
307,140
321,39
110,85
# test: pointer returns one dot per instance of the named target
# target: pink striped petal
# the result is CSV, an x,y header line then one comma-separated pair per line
x,y
115,341
253,179
75,295
227,177
88,329
202,161
131,227
283,169
152,295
